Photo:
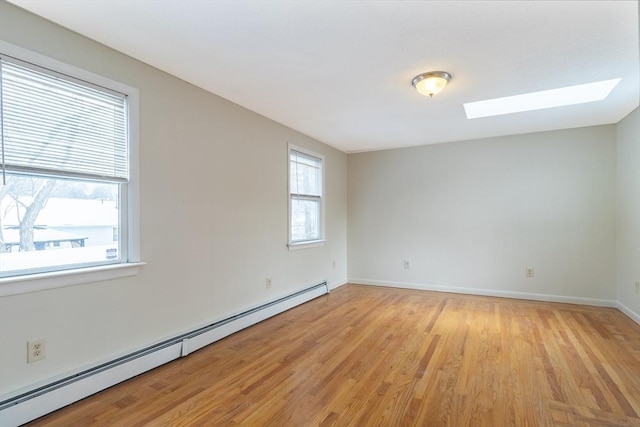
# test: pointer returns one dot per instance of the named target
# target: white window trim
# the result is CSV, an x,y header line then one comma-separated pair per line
x,y
55,279
311,243
62,278
305,245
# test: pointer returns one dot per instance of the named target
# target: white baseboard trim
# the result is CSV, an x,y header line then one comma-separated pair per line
x,y
506,294
31,404
490,293
44,402
337,284
630,313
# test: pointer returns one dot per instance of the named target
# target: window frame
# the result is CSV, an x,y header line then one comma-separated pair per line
x,y
321,223
129,263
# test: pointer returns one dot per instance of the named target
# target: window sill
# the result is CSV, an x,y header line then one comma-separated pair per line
x,y
59,279
305,245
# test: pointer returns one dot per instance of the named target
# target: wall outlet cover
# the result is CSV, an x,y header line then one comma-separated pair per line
x,y
35,350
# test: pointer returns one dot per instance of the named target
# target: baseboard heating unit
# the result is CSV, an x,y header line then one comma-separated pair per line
x,y
40,401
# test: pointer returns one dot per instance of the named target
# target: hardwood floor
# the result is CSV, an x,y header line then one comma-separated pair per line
x,y
371,356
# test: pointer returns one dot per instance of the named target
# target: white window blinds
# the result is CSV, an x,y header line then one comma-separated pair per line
x,y
306,175
53,125
305,192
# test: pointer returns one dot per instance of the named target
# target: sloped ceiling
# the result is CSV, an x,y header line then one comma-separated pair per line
x,y
340,71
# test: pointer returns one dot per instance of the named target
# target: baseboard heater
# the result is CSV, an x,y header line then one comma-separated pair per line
x,y
40,401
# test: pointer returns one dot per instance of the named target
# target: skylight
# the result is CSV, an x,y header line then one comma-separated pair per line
x,y
571,95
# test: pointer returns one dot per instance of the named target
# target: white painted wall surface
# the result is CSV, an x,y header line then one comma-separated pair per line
x,y
467,216
213,202
628,211
472,216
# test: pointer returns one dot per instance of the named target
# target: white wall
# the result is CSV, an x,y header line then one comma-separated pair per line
x,y
628,212
471,216
467,216
213,221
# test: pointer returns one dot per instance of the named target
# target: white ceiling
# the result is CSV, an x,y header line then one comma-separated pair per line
x,y
340,71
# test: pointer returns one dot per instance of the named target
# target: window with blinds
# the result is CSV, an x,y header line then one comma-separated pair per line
x,y
305,196
65,170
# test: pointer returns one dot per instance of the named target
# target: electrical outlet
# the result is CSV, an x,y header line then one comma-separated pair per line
x,y
334,265
529,272
268,283
35,350
407,266
637,287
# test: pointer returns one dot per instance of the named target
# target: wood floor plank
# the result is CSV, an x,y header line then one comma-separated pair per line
x,y
374,356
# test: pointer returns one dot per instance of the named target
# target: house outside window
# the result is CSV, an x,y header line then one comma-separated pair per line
x,y
65,171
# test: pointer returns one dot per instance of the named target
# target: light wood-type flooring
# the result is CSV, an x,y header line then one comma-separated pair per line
x,y
374,356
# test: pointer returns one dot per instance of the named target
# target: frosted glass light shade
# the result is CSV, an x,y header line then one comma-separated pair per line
x,y
431,83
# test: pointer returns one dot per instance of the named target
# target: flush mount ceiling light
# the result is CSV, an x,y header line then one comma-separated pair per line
x,y
431,83
559,97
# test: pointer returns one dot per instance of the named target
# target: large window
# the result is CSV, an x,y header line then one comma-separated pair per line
x,y
306,210
65,172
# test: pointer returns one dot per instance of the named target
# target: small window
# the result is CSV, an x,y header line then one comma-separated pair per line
x,y
65,171
306,209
